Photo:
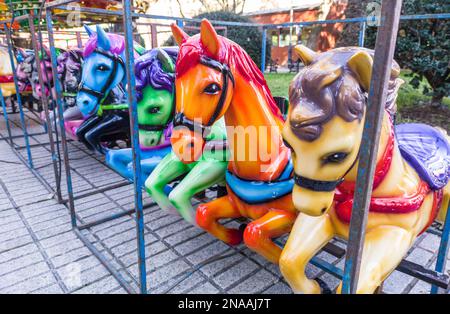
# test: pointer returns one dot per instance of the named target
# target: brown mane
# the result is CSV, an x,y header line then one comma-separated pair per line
x,y
328,87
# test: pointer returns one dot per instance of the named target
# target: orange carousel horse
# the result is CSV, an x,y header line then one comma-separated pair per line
x,y
215,77
328,101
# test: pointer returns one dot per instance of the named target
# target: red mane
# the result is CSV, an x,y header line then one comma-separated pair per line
x,y
230,54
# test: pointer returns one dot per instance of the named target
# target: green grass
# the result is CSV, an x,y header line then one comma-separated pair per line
x,y
408,95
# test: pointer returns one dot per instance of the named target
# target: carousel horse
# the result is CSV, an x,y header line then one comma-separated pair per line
x,y
6,75
215,77
328,100
155,75
69,74
103,72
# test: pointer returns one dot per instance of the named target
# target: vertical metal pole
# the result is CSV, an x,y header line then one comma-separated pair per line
x,y
5,114
443,248
79,41
19,98
180,23
154,31
263,49
58,89
384,52
362,33
132,101
37,60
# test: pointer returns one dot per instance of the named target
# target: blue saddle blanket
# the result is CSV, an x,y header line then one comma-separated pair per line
x,y
256,192
427,150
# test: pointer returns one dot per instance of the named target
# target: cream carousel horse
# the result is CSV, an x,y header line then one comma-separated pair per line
x,y
328,100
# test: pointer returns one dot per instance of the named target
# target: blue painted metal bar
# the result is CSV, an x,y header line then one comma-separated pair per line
x,y
132,101
382,62
180,23
5,114
59,98
263,50
362,33
328,267
443,249
19,98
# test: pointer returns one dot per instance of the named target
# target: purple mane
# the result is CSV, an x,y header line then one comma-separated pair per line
x,y
117,44
149,71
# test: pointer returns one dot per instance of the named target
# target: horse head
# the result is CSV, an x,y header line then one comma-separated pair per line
x,y
155,76
328,99
69,73
103,69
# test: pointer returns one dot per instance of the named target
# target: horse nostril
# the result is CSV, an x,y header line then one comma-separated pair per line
x,y
86,102
324,210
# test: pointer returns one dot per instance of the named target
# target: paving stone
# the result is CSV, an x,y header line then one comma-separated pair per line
x,y
430,242
420,256
14,243
53,289
235,273
194,244
31,284
18,252
205,288
104,285
278,288
20,262
255,283
23,274
396,282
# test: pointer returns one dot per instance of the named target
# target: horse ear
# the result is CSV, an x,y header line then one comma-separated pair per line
x,y
178,34
305,54
102,39
209,37
166,61
361,64
89,30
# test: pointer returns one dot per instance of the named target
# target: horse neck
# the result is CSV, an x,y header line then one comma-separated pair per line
x,y
400,177
249,108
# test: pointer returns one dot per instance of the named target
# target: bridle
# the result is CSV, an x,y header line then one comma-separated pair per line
x,y
181,119
321,185
101,95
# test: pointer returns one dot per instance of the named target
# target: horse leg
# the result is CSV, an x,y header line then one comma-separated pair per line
x,y
384,248
258,234
205,174
111,124
308,235
87,125
118,159
168,170
208,215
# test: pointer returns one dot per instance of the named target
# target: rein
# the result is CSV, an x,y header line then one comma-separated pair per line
x,y
181,119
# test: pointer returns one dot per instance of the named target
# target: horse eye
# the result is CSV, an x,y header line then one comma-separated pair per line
x,y
335,157
153,110
212,89
102,68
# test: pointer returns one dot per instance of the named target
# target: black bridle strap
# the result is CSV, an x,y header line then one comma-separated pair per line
x,y
181,119
319,185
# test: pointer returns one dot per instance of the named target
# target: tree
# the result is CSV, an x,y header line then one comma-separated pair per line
x,y
249,38
235,6
423,46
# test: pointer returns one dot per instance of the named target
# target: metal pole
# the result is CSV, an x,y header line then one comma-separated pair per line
x,y
180,23
362,33
79,41
263,50
45,105
5,114
58,89
384,52
19,98
132,101
443,249
154,31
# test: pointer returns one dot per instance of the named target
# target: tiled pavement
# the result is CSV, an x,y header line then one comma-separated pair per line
x,y
39,253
